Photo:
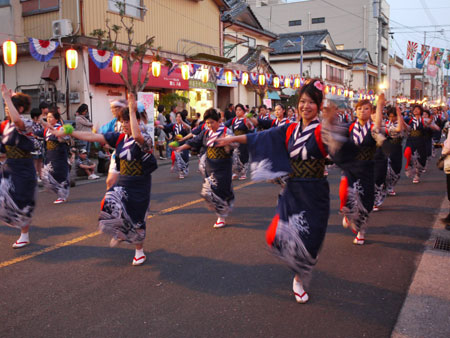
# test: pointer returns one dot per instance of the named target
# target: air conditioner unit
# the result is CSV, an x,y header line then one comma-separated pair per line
x,y
61,28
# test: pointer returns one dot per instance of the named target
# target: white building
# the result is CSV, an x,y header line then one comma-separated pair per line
x,y
351,23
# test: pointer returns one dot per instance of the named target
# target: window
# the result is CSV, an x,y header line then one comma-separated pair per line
x,y
251,42
295,23
32,7
318,20
133,8
335,74
4,3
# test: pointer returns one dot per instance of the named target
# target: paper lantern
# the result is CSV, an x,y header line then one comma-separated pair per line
x,y
276,82
185,72
297,82
346,93
333,90
10,52
327,89
262,79
71,58
205,75
244,79
156,68
350,94
287,83
228,77
117,63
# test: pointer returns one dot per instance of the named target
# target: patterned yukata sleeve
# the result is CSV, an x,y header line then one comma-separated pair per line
x,y
111,138
197,142
28,127
147,146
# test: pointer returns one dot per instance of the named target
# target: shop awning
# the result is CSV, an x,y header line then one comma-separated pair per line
x,y
273,96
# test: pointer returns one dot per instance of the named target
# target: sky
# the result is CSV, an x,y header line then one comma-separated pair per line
x,y
418,16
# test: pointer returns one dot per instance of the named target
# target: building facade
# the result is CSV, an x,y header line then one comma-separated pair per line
x,y
184,30
351,23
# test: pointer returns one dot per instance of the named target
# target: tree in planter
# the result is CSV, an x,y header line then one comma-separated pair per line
x,y
131,52
261,68
171,99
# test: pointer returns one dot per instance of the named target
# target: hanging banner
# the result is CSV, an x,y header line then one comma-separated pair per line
x,y
238,74
436,56
447,60
101,58
42,50
439,56
254,78
411,50
425,52
148,100
420,61
432,70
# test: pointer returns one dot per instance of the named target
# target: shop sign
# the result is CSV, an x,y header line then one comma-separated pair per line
x,y
107,77
223,83
200,85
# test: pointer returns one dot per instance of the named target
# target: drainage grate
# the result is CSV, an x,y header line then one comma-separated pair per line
x,y
442,244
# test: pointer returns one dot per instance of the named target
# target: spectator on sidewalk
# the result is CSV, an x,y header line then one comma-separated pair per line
x,y
85,167
82,123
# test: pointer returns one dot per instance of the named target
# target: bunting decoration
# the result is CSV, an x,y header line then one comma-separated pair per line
x,y
193,68
42,50
238,74
411,50
101,58
218,71
254,78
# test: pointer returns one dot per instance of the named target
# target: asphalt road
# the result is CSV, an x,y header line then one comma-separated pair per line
x,y
205,282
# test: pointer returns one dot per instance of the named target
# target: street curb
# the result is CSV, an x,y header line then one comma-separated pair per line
x,y
426,309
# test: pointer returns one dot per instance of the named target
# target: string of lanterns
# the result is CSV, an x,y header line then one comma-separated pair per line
x,y
102,60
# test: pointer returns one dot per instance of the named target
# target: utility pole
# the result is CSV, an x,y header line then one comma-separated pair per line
x,y
301,58
380,33
423,66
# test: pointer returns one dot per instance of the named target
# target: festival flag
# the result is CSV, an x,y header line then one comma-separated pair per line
x,y
432,70
411,50
447,60
42,50
420,61
425,51
439,56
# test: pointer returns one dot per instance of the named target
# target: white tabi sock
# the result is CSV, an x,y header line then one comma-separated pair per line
x,y
24,237
139,253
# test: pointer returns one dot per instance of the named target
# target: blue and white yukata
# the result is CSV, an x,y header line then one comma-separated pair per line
x,y
357,188
415,148
217,189
395,155
298,229
56,171
240,155
124,207
180,159
17,175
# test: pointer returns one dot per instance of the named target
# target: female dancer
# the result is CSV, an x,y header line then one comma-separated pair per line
x,y
240,126
17,174
281,119
179,130
357,185
415,150
125,205
217,189
55,174
298,229
395,127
